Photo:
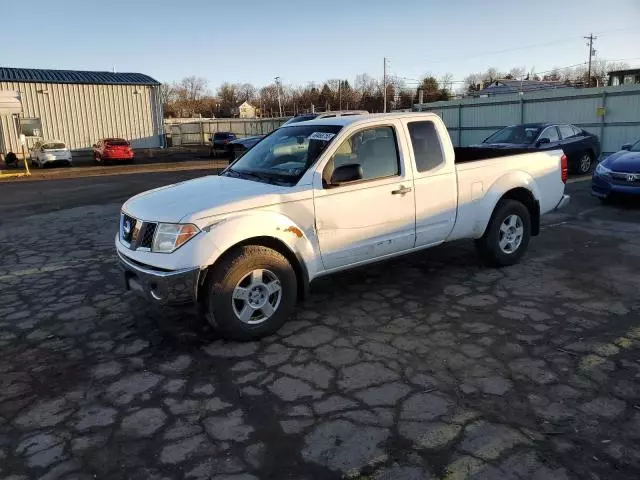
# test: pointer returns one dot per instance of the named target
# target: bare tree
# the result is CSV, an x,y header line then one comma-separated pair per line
x,y
167,93
365,84
446,82
473,82
192,88
517,73
228,95
245,92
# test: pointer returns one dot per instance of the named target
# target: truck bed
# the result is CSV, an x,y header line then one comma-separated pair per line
x,y
473,154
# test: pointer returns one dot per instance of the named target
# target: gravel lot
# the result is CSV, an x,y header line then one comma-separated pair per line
x,y
429,366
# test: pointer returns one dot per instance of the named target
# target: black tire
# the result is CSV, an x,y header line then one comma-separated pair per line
x,y
220,307
585,162
488,245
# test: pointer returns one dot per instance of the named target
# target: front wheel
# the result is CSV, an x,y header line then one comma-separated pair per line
x,y
507,235
250,293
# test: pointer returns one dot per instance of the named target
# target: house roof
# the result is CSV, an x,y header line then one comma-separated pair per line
x,y
515,86
34,75
631,71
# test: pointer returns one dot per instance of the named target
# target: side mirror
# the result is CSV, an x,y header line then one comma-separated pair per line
x,y
543,141
346,173
626,146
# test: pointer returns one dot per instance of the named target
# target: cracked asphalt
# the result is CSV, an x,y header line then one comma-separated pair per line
x,y
430,366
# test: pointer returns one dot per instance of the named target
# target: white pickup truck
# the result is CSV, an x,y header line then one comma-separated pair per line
x,y
317,197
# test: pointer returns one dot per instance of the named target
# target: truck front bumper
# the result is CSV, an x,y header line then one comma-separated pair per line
x,y
174,287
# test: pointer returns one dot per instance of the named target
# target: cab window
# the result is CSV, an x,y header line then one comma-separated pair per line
x,y
427,150
374,149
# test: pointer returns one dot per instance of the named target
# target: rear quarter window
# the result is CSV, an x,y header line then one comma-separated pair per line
x,y
427,150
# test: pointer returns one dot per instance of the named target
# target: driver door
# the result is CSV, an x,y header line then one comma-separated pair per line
x,y
369,218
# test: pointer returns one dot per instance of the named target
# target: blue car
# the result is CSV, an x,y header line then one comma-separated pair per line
x,y
618,173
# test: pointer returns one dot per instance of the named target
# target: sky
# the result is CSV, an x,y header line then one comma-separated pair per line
x,y
302,41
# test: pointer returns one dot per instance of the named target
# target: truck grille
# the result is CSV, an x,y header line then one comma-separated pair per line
x,y
135,233
146,235
127,227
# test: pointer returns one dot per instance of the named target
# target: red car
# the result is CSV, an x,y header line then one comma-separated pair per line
x,y
109,149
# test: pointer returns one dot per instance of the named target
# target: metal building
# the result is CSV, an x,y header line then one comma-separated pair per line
x,y
78,107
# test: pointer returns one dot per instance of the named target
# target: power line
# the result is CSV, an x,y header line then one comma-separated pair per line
x,y
416,81
526,47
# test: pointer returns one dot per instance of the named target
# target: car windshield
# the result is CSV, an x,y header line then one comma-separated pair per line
x,y
518,134
117,143
285,155
53,146
636,147
221,136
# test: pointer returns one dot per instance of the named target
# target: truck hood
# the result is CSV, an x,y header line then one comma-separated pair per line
x,y
202,197
624,162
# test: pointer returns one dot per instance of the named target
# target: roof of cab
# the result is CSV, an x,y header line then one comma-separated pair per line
x,y
351,119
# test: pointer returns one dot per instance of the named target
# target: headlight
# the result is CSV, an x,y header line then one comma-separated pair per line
x,y
602,170
171,236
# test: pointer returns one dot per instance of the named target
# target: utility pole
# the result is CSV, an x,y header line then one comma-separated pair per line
x,y
592,52
340,94
384,85
279,101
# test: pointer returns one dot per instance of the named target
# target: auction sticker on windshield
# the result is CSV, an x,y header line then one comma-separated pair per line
x,y
322,136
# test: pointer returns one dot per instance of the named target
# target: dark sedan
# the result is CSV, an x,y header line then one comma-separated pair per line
x,y
238,147
219,142
619,173
581,147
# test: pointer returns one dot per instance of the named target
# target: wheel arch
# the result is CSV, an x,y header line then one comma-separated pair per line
x,y
295,260
528,199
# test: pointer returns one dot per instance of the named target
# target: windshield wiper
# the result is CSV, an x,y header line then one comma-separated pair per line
x,y
274,179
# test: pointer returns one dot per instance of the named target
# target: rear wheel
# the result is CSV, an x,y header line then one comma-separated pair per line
x,y
507,235
585,162
251,293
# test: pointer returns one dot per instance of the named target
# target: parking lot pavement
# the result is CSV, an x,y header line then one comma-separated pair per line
x,y
429,366
8,176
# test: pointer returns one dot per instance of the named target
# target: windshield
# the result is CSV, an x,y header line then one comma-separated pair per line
x,y
222,136
117,143
53,146
285,155
636,147
518,134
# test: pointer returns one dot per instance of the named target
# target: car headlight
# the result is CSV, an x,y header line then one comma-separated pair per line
x,y
171,236
602,170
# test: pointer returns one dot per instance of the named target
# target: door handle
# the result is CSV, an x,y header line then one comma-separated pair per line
x,y
401,191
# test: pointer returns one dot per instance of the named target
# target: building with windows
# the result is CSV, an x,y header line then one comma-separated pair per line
x,y
77,107
624,77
